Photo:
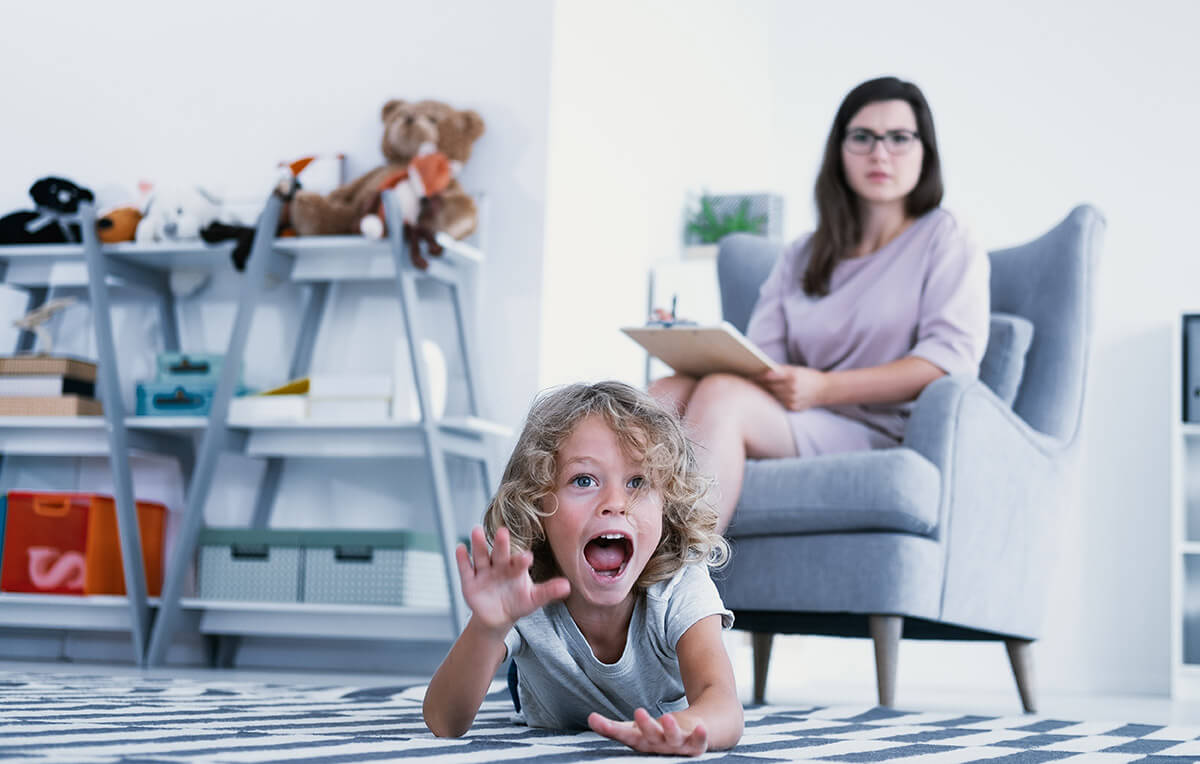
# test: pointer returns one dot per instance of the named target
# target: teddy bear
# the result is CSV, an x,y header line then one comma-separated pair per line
x,y
55,219
407,126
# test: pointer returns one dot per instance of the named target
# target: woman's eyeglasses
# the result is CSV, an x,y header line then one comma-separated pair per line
x,y
862,141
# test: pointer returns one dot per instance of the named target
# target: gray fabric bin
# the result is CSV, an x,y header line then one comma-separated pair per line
x,y
372,568
356,567
245,564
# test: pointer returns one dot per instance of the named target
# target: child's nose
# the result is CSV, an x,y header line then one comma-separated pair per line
x,y
613,502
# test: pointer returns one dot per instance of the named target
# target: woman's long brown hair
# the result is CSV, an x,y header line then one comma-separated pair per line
x,y
839,228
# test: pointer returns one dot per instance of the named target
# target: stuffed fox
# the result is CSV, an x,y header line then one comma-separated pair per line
x,y
416,189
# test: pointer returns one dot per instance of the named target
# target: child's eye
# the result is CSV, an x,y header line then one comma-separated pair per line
x,y
583,481
637,482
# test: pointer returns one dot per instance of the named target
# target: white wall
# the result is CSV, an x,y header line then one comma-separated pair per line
x,y
217,94
1039,106
648,101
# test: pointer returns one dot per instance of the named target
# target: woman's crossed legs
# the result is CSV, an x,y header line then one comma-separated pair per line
x,y
730,418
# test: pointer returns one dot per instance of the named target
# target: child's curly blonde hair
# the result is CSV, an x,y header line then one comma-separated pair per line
x,y
648,433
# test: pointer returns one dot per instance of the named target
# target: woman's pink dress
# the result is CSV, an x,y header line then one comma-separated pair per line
x,y
924,294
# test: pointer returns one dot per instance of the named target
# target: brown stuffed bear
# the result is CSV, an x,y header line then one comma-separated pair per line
x,y
406,126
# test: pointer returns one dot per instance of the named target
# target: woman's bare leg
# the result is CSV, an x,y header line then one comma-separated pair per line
x,y
730,418
674,391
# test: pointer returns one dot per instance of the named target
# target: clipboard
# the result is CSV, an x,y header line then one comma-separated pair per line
x,y
699,350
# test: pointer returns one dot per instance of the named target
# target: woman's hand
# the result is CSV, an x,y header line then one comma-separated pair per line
x,y
796,387
650,735
497,586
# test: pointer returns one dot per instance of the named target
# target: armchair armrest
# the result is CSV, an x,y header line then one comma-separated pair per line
x,y
1002,482
939,414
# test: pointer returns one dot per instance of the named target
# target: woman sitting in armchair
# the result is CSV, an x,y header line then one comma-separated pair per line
x,y
888,294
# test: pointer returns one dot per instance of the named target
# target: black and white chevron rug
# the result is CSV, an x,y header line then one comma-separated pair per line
x,y
133,718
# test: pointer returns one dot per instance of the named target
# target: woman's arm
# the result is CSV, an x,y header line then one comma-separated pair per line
x,y
799,388
713,718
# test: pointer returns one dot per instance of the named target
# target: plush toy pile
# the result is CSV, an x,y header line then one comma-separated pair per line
x,y
425,144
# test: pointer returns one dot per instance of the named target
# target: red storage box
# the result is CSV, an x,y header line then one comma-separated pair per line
x,y
67,543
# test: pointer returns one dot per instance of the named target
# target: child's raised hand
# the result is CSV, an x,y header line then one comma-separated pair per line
x,y
650,735
497,586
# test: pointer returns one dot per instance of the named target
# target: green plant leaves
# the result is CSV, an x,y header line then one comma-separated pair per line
x,y
709,227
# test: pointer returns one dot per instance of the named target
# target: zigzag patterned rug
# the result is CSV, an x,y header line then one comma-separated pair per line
x,y
96,718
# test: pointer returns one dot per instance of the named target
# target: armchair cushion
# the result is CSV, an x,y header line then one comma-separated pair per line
x,y
1004,360
893,489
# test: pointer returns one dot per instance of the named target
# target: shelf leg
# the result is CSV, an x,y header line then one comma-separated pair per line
x,y
214,436
166,316
118,440
406,292
268,489
314,313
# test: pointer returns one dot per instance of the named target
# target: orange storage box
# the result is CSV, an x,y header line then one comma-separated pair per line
x,y
67,543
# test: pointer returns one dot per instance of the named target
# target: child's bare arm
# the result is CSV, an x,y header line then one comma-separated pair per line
x,y
461,682
709,684
499,591
713,718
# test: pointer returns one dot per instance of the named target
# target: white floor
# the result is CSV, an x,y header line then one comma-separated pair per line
x,y
802,673
972,678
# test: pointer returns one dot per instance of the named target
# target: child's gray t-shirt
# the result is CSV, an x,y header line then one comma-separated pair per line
x,y
560,680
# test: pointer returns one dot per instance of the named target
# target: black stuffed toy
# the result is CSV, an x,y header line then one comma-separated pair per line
x,y
55,220
216,232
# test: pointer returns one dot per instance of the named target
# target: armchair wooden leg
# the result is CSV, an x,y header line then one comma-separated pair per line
x,y
885,631
760,644
1020,655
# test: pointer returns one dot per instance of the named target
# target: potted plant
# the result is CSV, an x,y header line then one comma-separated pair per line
x,y
707,226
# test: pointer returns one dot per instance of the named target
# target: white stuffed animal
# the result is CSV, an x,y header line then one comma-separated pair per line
x,y
177,215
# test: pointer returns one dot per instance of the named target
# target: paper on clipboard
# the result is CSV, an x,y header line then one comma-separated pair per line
x,y
699,350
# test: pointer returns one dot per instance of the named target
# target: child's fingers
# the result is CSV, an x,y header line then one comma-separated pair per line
x,y
622,732
479,549
462,557
672,734
548,591
651,730
696,743
501,551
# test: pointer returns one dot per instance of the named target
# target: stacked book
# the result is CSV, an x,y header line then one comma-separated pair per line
x,y
38,385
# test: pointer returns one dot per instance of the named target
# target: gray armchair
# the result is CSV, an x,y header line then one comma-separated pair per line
x,y
945,536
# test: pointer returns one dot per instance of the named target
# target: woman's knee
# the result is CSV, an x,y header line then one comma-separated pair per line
x,y
723,390
721,397
674,391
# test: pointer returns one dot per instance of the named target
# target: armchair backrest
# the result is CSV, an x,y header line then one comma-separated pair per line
x,y
1051,282
1048,281
743,263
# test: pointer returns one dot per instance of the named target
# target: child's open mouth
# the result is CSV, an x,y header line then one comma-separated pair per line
x,y
608,554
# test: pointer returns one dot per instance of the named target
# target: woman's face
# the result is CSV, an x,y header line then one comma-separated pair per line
x,y
890,169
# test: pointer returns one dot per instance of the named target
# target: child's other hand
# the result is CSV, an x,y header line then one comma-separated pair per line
x,y
650,735
497,586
